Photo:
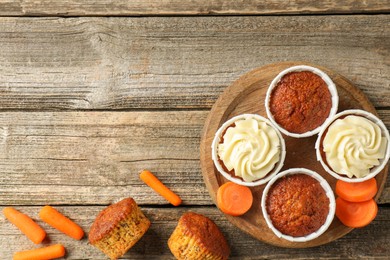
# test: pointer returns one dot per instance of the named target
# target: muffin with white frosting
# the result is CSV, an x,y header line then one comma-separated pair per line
x,y
354,146
248,150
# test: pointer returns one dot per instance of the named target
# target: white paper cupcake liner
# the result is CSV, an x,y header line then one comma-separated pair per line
x,y
324,185
217,139
332,89
375,170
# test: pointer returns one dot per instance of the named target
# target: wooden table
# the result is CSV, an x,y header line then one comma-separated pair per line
x,y
93,92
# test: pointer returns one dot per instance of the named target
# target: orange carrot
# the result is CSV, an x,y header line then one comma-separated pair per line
x,y
55,219
152,181
357,191
31,229
234,199
43,253
356,214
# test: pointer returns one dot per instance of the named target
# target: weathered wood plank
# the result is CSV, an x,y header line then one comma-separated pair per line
x,y
187,7
84,158
92,157
154,244
177,62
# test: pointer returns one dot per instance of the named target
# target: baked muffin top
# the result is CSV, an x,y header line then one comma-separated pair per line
x,y
300,102
109,218
205,232
297,205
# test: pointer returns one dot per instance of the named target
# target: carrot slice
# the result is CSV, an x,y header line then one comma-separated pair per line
x,y
357,191
152,181
43,253
31,229
234,199
55,219
356,214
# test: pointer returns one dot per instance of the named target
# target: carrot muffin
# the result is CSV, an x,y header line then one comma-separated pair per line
x,y
197,237
300,102
118,227
353,144
297,205
248,149
300,99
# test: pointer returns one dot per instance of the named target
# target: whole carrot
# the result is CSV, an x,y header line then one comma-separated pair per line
x,y
152,181
55,219
31,229
43,253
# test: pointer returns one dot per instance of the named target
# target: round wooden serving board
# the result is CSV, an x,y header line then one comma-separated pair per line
x,y
246,95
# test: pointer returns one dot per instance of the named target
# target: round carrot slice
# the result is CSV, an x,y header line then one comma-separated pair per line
x,y
356,214
234,199
357,191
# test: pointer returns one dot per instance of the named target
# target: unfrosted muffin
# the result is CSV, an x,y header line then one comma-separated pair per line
x,y
198,237
300,100
118,227
298,205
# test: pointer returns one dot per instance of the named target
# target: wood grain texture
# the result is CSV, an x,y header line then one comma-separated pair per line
x,y
186,7
177,62
95,157
87,100
154,244
84,158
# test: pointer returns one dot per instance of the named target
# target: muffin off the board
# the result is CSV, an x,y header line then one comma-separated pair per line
x,y
118,227
198,237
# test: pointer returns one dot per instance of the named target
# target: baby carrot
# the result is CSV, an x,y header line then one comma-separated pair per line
x,y
356,214
43,253
152,181
31,229
234,199
357,191
55,219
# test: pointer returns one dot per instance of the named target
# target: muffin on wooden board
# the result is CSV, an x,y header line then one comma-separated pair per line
x,y
118,227
198,237
298,205
354,146
248,150
300,100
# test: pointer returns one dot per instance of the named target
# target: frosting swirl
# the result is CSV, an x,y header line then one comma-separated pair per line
x,y
251,148
353,145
